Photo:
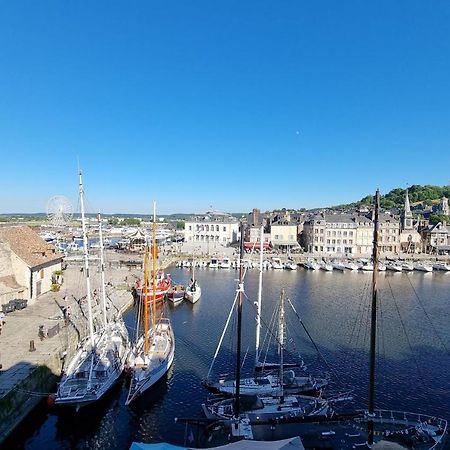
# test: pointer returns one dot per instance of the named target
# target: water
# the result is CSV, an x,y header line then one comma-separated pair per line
x,y
412,369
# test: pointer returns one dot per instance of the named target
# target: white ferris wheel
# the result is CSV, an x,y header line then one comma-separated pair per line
x,y
59,210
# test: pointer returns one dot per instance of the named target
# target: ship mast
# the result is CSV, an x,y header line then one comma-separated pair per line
x,y
102,268
154,256
144,299
281,340
373,323
239,323
86,263
258,311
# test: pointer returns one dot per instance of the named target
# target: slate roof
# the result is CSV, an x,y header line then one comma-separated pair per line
x,y
29,246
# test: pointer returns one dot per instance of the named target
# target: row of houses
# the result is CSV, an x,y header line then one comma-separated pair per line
x,y
27,264
330,232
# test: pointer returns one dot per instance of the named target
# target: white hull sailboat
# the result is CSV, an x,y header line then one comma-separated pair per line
x,y
266,380
193,290
153,353
101,357
150,367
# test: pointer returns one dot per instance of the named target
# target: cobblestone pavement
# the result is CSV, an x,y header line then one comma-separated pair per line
x,y
20,332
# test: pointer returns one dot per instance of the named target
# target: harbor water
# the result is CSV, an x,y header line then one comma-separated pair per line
x,y
412,366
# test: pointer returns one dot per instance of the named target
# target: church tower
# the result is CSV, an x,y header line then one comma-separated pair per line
x,y
444,206
407,218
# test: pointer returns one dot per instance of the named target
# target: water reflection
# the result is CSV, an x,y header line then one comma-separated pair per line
x,y
412,370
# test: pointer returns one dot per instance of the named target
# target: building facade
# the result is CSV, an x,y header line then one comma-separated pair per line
x,y
27,263
348,234
213,227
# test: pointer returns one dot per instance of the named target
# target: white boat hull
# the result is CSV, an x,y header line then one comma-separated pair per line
x,y
150,368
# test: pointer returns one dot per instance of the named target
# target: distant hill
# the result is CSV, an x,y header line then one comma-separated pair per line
x,y
396,197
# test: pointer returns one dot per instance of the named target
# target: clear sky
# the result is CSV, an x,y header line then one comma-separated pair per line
x,y
234,104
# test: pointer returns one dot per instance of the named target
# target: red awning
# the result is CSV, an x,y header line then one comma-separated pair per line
x,y
257,245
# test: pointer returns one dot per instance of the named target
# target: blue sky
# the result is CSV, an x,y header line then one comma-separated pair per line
x,y
232,104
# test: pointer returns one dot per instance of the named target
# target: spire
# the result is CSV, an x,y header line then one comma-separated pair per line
x,y
407,221
407,206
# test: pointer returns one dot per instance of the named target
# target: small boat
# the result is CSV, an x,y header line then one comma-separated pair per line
x,y
311,265
441,266
214,263
423,267
326,266
225,263
394,266
290,266
193,290
366,267
176,294
381,267
349,265
276,263
407,267
338,266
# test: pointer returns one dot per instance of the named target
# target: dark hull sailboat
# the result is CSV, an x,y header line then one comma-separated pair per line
x,y
370,428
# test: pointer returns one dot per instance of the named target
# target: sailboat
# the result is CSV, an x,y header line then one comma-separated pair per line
x,y
266,380
101,356
153,353
193,289
259,407
369,428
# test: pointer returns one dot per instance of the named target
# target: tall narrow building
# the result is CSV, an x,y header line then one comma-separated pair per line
x,y
407,218
410,239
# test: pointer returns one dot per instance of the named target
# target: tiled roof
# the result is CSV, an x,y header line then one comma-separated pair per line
x,y
28,245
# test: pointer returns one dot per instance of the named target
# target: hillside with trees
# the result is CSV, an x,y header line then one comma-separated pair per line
x,y
396,197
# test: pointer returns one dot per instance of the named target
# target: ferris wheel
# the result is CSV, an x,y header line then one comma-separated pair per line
x,y
59,210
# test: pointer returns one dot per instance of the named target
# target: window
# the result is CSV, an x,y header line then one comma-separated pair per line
x,y
41,273
224,228
190,228
217,228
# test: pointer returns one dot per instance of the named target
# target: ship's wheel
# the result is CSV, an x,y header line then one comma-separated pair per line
x,y
59,210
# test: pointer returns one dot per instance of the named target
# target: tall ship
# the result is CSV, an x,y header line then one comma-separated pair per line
x,y
101,356
153,351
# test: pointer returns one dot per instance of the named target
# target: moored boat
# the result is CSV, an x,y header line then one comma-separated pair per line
x,y
153,352
101,356
176,294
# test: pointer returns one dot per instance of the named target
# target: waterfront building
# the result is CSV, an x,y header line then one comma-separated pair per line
x,y
253,235
347,234
334,234
213,227
389,237
27,263
436,238
283,234
410,238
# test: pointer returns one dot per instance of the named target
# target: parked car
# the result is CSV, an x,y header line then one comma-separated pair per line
x,y
19,303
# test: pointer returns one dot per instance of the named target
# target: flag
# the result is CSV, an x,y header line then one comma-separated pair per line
x,y
191,437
